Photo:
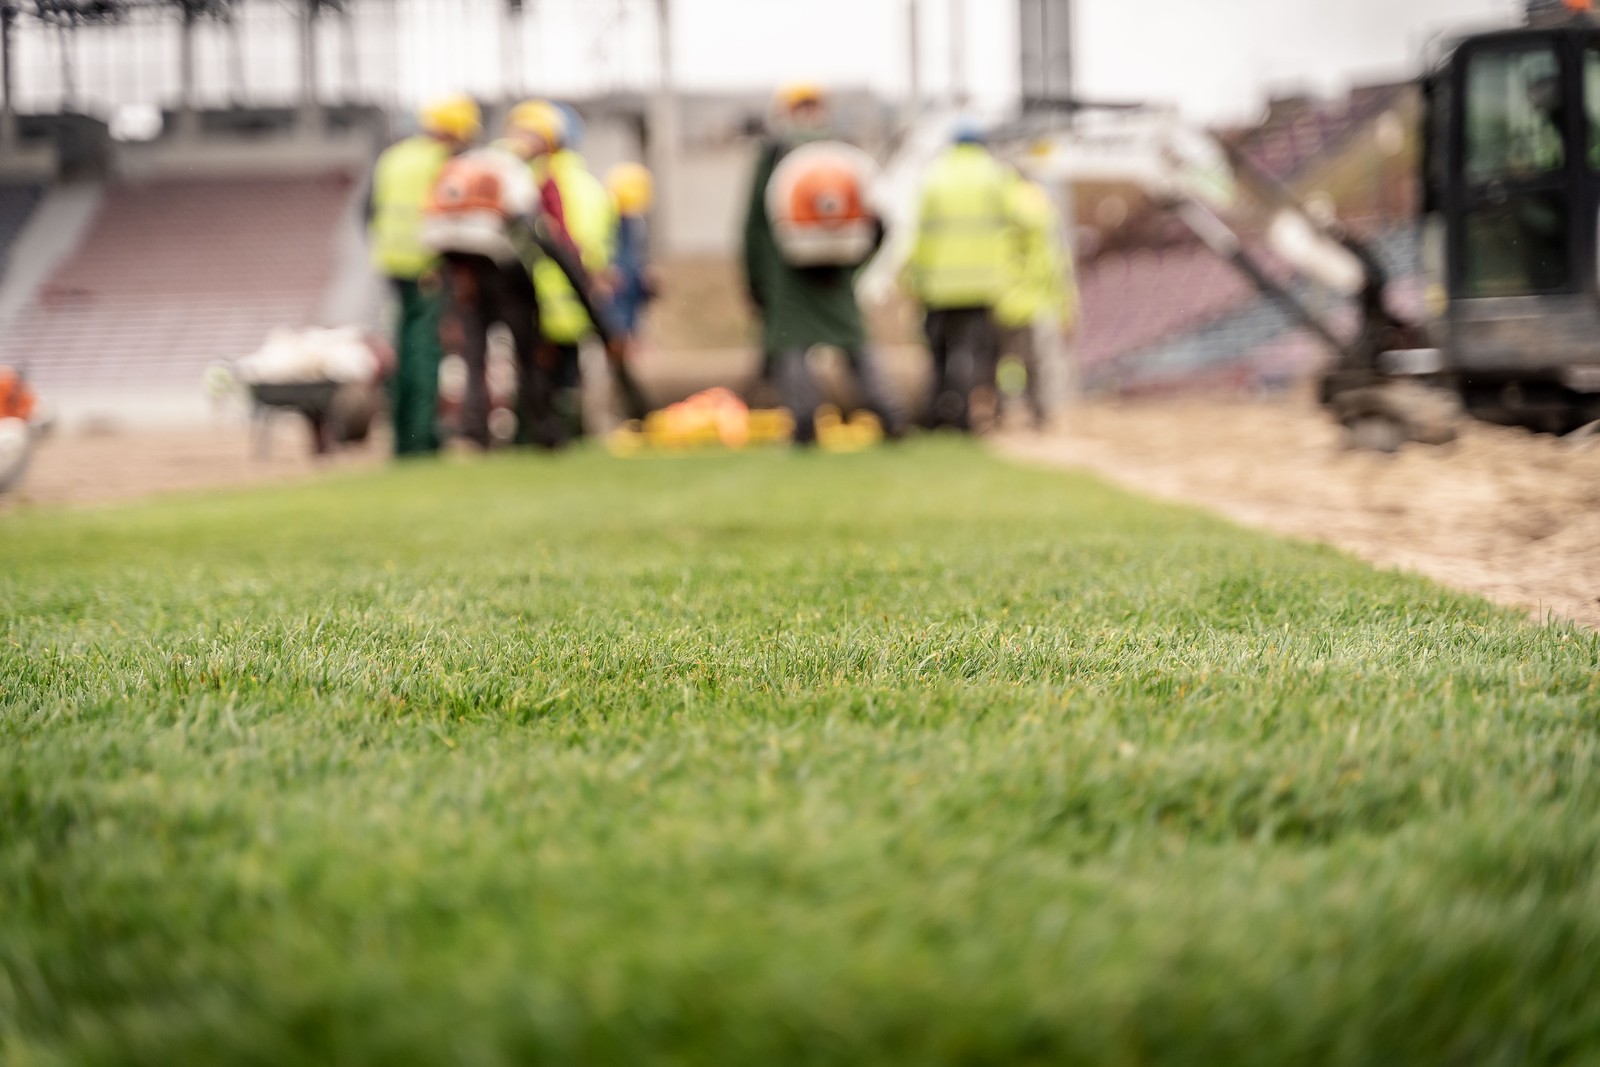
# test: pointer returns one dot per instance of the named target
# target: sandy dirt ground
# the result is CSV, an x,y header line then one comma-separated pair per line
x,y
1504,513
123,464
1508,514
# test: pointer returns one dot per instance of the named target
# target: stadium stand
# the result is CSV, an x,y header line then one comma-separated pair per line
x,y
174,274
1163,314
1133,300
16,206
1300,132
1238,339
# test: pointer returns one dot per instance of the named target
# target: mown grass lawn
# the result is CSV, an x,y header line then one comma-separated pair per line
x,y
909,757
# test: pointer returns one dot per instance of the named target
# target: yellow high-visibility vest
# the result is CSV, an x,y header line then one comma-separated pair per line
x,y
591,223
960,255
401,184
1039,276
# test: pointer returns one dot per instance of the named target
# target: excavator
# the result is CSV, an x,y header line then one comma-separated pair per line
x,y
1510,224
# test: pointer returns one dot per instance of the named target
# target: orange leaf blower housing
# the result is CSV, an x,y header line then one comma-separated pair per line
x,y
16,399
818,203
476,196
465,187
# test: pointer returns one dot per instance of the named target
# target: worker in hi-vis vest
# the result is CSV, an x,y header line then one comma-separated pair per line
x,y
402,183
1040,303
958,269
487,220
591,223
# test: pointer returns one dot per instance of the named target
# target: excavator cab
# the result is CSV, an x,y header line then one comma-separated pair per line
x,y
1511,226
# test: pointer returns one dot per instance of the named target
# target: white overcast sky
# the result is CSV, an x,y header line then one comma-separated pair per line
x,y
1214,57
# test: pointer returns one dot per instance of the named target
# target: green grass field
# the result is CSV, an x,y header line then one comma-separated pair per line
x,y
908,757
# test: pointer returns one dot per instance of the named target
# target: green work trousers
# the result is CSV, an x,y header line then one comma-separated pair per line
x,y
414,389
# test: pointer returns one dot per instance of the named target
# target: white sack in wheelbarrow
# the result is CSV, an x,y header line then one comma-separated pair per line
x,y
311,355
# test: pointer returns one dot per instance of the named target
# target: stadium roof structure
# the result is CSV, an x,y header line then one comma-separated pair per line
x,y
84,12
26,24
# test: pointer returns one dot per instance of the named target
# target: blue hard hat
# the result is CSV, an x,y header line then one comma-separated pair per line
x,y
968,132
572,136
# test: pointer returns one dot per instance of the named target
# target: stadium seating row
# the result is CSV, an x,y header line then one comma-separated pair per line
x,y
175,273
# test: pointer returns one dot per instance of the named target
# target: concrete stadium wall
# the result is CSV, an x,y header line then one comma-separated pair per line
x,y
708,202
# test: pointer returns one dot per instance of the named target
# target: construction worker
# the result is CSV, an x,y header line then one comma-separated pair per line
x,y
803,307
957,271
1040,302
533,130
591,222
402,181
634,282
492,272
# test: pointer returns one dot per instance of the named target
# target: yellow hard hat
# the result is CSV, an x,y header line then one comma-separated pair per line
x,y
454,116
793,94
633,187
539,117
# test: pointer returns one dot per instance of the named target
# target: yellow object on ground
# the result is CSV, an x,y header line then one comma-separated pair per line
x,y
836,434
714,418
717,418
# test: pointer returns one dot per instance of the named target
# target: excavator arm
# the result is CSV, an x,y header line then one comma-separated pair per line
x,y
1218,192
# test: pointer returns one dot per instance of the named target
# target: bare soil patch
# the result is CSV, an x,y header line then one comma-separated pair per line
x,y
123,464
1511,515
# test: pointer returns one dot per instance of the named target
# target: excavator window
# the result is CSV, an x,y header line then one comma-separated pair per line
x,y
1516,234
1513,120
1591,103
1517,248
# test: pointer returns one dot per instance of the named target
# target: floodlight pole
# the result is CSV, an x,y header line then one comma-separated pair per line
x,y
188,117
350,78
914,55
662,139
1046,68
8,107
311,118
958,53
238,92
511,49
69,77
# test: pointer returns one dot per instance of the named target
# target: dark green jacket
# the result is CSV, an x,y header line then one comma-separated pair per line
x,y
800,307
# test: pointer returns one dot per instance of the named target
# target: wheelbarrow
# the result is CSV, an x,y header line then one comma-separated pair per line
x,y
337,413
